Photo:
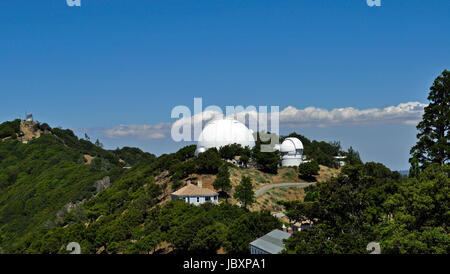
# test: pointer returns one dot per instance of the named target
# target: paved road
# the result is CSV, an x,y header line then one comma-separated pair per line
x,y
264,189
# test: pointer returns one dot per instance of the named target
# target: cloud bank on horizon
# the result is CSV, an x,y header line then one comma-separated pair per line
x,y
409,113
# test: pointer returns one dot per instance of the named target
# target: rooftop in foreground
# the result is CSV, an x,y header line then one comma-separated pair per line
x,y
272,242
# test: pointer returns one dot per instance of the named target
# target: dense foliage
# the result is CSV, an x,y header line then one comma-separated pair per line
x,y
50,196
133,155
244,192
321,152
308,170
265,161
38,179
10,129
370,203
222,181
433,144
230,151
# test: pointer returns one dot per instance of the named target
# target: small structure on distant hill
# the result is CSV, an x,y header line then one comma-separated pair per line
x,y
340,160
28,117
301,226
196,194
271,243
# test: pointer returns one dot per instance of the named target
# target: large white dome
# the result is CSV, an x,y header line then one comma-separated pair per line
x,y
222,132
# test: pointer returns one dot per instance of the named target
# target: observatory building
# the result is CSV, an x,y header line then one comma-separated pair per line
x,y
291,152
222,132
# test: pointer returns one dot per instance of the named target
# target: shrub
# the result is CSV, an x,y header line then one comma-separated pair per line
x,y
307,170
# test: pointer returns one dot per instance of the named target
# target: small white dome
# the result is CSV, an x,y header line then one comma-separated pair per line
x,y
291,145
222,132
291,150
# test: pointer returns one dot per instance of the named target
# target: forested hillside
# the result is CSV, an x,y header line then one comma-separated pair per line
x,y
39,178
58,188
369,203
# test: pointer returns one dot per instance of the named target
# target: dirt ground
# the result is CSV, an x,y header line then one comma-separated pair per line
x,y
88,159
28,131
268,201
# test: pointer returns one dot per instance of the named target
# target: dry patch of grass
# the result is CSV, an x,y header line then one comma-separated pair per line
x,y
326,173
268,200
28,131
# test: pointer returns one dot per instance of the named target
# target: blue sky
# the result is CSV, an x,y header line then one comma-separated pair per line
x,y
122,62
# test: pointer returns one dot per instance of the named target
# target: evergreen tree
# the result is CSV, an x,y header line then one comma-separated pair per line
x,y
222,181
308,170
244,160
244,192
433,139
98,144
353,157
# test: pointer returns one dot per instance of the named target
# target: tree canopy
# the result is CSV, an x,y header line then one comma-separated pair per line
x,y
222,181
433,145
244,192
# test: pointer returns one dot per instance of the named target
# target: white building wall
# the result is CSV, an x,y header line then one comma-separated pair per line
x,y
291,159
255,250
198,200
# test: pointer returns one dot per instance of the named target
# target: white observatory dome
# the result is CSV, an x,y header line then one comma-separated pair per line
x,y
222,132
291,152
291,145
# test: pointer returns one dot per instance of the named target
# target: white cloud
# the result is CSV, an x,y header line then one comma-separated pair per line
x,y
138,131
406,113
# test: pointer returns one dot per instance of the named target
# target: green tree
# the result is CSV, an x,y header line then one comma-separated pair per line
x,y
244,192
353,157
267,161
433,138
209,239
222,181
149,243
308,170
98,144
229,151
247,228
208,161
244,160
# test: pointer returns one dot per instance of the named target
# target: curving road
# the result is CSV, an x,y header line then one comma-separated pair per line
x,y
264,189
